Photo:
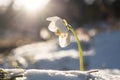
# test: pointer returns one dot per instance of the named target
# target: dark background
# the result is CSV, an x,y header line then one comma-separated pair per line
x,y
18,27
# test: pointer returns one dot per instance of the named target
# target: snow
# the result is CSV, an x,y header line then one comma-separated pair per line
x,y
36,74
103,54
48,55
47,61
107,49
69,75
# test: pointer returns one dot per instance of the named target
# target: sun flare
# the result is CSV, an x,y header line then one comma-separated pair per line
x,y
31,5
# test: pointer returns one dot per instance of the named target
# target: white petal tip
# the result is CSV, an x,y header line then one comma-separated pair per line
x,y
54,18
64,40
63,46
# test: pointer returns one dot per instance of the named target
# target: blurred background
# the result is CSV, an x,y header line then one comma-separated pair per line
x,y
24,22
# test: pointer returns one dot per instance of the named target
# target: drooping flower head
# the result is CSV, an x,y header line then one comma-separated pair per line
x,y
59,28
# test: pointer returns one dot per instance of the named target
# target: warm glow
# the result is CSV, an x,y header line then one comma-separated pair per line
x,y
4,3
31,5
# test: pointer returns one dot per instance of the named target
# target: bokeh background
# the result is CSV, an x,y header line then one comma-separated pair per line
x,y
24,22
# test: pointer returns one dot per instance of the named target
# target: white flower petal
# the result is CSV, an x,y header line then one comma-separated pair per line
x,y
64,39
61,26
52,27
57,23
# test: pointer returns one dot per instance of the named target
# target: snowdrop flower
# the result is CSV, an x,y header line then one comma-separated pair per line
x,y
60,29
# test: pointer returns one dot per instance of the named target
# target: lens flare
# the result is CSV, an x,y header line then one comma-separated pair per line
x,y
4,3
31,5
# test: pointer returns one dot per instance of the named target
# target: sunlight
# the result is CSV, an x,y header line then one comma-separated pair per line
x,y
31,5
4,3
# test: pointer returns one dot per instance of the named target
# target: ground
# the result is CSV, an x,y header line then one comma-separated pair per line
x,y
47,61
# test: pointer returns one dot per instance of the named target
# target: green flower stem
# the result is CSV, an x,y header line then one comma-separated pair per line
x,y
79,48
